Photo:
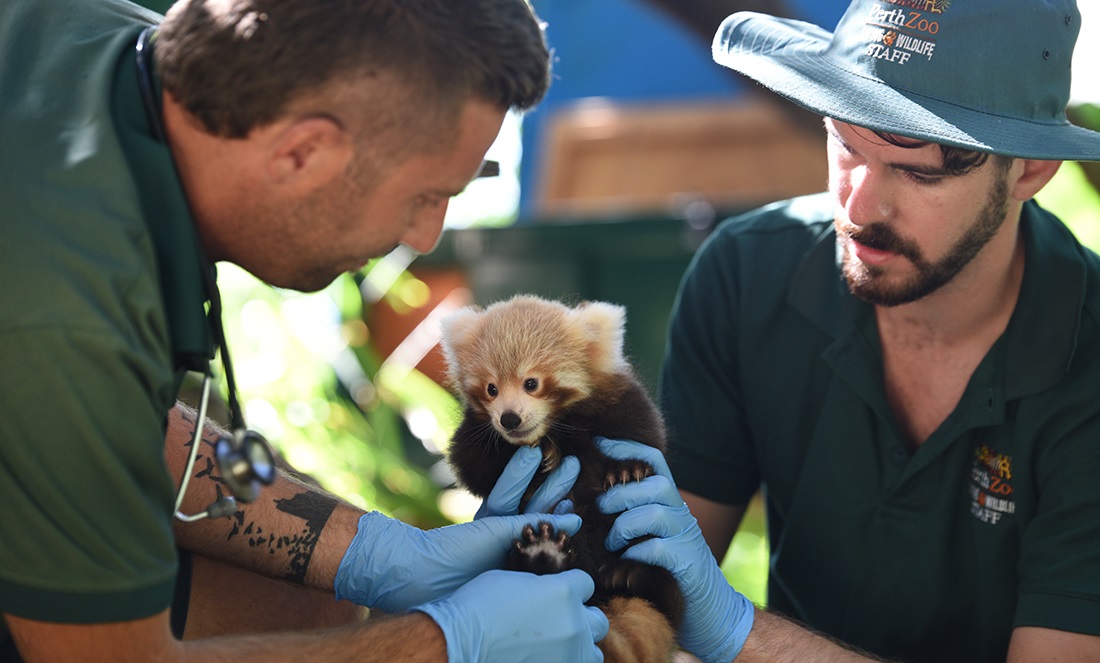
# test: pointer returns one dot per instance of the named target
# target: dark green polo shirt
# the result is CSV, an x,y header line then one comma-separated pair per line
x,y
773,379
86,349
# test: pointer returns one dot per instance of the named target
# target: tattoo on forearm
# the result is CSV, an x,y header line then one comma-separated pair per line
x,y
205,466
189,417
312,507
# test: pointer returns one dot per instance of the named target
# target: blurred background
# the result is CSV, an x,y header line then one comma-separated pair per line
x,y
605,191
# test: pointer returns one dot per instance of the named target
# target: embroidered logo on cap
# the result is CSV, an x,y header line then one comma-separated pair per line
x,y
897,30
932,6
991,486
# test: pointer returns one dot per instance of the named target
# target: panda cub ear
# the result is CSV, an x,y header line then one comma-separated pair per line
x,y
602,325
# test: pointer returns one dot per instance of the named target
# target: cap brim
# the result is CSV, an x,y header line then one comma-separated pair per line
x,y
791,58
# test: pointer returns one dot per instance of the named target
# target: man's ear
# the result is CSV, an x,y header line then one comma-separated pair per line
x,y
1034,176
309,152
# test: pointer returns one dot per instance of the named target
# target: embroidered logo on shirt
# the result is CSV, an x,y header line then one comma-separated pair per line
x,y
991,486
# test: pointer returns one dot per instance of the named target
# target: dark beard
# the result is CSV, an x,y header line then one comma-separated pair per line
x,y
930,277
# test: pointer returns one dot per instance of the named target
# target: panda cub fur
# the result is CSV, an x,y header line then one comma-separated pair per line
x,y
539,373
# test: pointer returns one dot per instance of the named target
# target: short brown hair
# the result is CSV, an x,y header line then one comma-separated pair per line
x,y
956,160
239,64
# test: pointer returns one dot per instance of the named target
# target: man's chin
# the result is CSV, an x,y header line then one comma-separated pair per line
x,y
875,290
305,283
872,284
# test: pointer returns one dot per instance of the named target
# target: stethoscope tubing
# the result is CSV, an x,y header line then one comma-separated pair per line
x,y
196,438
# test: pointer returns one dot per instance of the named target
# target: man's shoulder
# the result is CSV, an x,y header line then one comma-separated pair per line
x,y
1065,260
782,230
793,213
805,215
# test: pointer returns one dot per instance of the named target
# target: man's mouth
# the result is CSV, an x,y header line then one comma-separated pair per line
x,y
869,255
875,244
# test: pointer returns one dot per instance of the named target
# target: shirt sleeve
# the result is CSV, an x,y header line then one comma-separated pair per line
x,y
1059,563
711,453
87,500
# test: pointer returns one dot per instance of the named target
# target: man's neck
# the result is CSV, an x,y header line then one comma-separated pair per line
x,y
931,347
218,176
974,307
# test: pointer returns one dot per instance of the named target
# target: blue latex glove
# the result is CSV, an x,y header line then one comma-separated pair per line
x,y
717,618
392,566
506,494
513,616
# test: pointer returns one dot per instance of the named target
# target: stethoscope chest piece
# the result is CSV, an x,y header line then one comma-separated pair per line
x,y
245,462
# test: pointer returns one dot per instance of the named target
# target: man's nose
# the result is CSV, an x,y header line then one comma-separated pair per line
x,y
868,198
423,234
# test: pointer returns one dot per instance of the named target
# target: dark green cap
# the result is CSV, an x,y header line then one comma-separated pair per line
x,y
985,75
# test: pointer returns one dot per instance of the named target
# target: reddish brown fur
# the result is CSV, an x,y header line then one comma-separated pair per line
x,y
636,632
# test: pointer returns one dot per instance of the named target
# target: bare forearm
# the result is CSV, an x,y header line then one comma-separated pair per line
x,y
774,639
414,638
292,531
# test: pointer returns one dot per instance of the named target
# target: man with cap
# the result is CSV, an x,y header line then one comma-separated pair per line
x,y
908,365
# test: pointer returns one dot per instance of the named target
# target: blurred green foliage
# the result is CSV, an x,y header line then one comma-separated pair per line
x,y
1074,194
312,382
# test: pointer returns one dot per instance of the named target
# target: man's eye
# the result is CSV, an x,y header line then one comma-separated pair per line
x,y
925,180
840,145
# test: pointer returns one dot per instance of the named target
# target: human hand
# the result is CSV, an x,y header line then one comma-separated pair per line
x,y
505,497
514,616
717,618
393,566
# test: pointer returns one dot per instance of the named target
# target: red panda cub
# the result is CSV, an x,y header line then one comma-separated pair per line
x,y
538,373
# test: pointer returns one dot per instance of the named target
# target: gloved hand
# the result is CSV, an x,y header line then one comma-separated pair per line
x,y
392,566
514,616
504,499
717,618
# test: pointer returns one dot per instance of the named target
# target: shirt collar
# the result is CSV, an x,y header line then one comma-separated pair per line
x,y
1042,334
819,292
180,259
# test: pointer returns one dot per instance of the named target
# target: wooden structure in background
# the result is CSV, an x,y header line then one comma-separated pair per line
x,y
600,158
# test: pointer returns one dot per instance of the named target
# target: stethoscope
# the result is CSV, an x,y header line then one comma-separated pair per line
x,y
244,457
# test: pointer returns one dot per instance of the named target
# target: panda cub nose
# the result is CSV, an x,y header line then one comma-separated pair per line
x,y
510,420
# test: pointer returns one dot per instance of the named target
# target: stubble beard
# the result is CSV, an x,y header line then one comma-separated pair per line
x,y
867,282
334,207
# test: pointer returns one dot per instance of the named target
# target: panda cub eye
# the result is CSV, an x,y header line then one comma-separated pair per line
x,y
530,385
492,390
